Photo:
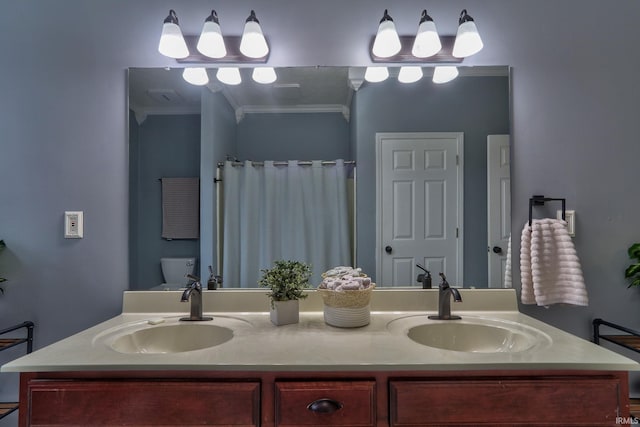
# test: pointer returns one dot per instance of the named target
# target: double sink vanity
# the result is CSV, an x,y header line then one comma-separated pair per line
x,y
493,366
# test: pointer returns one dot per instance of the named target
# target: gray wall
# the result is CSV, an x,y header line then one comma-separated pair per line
x,y
476,106
161,146
63,117
293,136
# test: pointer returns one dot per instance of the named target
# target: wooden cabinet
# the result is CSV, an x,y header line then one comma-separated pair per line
x,y
340,398
527,401
325,403
166,403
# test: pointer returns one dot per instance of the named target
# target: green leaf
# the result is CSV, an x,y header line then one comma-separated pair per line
x,y
634,251
632,270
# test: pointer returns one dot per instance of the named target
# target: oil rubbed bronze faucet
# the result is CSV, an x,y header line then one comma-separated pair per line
x,y
194,291
444,300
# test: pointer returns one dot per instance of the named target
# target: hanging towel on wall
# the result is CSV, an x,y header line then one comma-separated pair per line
x,y
180,208
507,269
549,266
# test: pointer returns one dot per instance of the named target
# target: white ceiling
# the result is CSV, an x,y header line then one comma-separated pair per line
x,y
297,89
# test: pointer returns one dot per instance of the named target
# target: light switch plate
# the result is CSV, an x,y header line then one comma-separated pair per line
x,y
73,225
570,217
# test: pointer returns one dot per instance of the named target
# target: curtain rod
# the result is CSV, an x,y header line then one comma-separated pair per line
x,y
300,162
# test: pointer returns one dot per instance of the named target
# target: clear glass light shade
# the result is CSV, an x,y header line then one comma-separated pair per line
x,y
172,42
253,43
410,74
387,42
376,74
444,74
468,41
211,43
264,75
196,76
229,75
427,42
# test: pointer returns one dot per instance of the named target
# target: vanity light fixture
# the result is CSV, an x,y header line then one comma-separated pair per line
x,y
427,42
410,74
264,75
444,73
376,74
196,76
468,41
253,43
211,43
229,75
387,42
172,42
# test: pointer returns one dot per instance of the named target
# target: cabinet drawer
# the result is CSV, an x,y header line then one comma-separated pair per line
x,y
126,402
325,403
561,401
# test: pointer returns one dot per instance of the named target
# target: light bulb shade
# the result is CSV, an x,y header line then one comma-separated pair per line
x,y
468,41
264,75
387,41
444,74
172,42
376,74
196,76
427,42
229,75
211,43
410,74
253,43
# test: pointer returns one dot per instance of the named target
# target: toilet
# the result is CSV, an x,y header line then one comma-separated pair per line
x,y
175,270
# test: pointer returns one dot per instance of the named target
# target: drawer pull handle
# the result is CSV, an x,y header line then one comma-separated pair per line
x,y
324,406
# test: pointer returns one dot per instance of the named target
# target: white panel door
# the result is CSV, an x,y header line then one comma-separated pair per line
x,y
498,207
419,206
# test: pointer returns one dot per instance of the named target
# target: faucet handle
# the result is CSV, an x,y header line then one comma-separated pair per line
x,y
193,278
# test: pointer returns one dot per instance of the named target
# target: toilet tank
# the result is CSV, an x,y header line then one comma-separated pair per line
x,y
175,270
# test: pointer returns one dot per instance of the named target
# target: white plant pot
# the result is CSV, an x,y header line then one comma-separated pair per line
x,y
285,312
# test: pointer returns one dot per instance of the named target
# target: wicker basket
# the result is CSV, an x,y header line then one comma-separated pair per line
x,y
347,299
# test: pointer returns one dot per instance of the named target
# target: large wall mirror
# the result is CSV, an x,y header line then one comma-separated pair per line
x,y
330,113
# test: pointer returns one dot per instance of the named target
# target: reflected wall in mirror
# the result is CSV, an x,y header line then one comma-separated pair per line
x,y
310,113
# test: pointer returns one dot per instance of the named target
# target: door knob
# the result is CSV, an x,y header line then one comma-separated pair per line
x,y
388,249
497,250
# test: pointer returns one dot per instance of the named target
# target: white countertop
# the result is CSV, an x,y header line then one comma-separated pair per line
x,y
312,345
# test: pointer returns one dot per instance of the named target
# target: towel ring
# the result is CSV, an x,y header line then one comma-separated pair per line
x,y
538,200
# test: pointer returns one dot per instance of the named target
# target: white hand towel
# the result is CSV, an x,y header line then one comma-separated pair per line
x,y
549,266
507,269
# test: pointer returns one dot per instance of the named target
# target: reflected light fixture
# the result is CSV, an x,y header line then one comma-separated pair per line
x,y
387,42
172,42
264,75
196,76
376,74
253,43
427,42
444,73
211,43
229,75
468,41
410,74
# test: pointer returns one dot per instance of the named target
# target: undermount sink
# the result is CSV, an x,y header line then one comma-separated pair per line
x,y
169,335
473,335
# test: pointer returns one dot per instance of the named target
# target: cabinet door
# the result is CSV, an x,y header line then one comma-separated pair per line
x,y
561,401
325,403
127,402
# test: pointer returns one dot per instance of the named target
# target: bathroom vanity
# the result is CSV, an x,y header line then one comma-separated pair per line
x,y
494,366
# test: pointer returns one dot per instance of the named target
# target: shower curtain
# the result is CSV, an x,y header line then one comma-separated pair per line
x,y
289,212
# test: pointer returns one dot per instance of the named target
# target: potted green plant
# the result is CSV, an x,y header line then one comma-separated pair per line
x,y
633,271
287,281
